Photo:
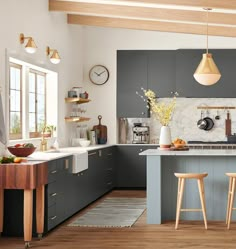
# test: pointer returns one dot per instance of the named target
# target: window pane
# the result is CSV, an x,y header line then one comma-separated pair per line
x,y
41,84
31,82
31,102
15,104
32,127
18,78
40,104
15,122
15,78
41,121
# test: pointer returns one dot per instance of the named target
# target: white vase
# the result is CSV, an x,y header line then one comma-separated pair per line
x,y
165,137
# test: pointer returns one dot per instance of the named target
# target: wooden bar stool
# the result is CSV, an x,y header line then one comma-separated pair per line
x,y
232,177
181,181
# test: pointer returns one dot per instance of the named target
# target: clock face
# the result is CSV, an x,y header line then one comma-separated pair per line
x,y
99,75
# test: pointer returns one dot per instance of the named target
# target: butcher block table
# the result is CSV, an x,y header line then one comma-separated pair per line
x,y
27,176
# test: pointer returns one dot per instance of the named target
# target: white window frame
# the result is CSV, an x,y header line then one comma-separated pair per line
x,y
51,98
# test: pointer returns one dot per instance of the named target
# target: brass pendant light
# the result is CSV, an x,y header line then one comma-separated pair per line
x,y
207,72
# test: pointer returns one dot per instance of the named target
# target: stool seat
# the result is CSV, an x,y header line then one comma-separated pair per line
x,y
230,202
191,175
181,181
231,174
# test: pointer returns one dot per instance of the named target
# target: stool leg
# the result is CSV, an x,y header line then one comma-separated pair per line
x,y
229,198
201,189
231,202
179,200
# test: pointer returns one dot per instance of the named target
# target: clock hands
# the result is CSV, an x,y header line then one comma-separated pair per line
x,y
101,73
96,73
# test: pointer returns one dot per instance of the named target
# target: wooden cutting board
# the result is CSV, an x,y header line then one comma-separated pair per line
x,y
100,131
228,125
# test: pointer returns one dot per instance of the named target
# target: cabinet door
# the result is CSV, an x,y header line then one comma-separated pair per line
x,y
131,77
187,62
161,72
130,167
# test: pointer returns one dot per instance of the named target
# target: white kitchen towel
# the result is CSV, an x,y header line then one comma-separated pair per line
x,y
80,162
3,138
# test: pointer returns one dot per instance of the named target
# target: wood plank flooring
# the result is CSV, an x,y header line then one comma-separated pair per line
x,y
140,236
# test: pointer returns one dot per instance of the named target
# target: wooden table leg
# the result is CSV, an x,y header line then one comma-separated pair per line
x,y
40,210
28,215
1,209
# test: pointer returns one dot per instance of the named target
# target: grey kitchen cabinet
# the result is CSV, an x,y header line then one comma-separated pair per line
x,y
56,192
187,61
132,69
130,167
161,72
100,172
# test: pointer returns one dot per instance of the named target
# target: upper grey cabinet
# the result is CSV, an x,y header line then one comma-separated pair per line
x,y
131,77
187,61
161,72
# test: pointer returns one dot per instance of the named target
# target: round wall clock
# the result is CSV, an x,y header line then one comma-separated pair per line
x,y
99,75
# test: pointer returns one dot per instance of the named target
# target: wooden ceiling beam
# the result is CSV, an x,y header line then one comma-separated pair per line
x,y
107,10
214,4
151,25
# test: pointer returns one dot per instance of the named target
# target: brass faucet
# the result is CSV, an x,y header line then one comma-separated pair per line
x,y
43,144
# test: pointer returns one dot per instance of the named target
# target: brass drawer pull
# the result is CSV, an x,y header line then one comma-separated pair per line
x,y
109,154
53,218
109,183
93,153
110,169
54,194
67,164
54,172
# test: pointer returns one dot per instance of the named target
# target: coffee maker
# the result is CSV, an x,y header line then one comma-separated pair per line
x,y
140,134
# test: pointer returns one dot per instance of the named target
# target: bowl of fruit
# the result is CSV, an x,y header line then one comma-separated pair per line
x,y
22,150
179,143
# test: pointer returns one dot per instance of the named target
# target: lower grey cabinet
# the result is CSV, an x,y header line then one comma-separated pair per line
x,y
130,167
56,192
101,172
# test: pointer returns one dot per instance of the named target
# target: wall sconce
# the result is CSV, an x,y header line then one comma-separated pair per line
x,y
30,46
54,56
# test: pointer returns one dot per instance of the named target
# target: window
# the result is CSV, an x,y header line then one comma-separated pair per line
x,y
37,100
30,88
15,101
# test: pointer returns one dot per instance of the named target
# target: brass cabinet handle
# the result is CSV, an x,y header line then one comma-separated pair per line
x,y
54,171
109,154
53,218
109,183
66,163
93,153
54,194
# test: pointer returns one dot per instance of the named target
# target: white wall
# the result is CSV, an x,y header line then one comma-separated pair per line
x,y
48,29
100,46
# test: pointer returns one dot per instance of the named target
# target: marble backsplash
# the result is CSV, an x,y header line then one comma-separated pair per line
x,y
184,121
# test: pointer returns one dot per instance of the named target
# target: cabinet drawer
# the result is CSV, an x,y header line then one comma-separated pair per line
x,y
53,193
52,172
52,217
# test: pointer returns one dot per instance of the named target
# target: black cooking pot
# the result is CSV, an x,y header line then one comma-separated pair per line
x,y
210,123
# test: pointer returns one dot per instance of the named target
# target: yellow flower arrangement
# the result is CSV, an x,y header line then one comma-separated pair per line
x,y
162,111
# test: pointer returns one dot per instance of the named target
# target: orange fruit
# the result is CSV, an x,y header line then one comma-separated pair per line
x,y
17,159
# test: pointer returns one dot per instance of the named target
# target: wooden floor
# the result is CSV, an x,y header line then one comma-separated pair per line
x,y
143,236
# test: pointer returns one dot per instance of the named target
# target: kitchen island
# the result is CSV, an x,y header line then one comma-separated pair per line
x,y
162,184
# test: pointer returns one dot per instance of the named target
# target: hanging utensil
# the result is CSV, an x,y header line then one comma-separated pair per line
x,y
201,124
217,117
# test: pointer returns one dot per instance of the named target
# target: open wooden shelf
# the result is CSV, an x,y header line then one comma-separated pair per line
x,y
216,107
76,119
76,100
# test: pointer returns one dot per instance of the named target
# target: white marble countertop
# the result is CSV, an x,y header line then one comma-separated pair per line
x,y
193,152
62,152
